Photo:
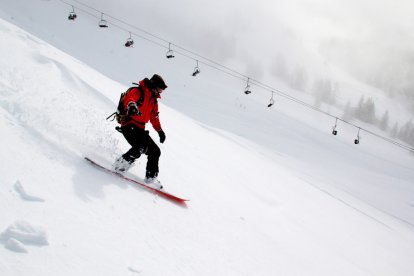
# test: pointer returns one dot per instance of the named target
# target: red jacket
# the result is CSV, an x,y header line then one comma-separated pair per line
x,y
149,107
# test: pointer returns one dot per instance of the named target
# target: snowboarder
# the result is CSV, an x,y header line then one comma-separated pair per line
x,y
141,107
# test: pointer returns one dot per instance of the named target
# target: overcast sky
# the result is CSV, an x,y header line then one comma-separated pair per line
x,y
365,37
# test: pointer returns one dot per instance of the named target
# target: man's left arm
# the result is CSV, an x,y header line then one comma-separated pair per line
x,y
156,124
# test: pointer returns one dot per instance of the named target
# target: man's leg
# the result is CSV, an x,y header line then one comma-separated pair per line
x,y
153,154
136,137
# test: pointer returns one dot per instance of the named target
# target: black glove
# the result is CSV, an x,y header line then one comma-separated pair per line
x,y
133,109
162,136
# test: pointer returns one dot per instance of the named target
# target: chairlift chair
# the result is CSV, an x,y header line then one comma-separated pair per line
x,y
196,70
356,141
129,42
247,88
334,131
271,101
72,15
170,53
103,23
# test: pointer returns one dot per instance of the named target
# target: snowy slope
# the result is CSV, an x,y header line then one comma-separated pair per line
x,y
302,203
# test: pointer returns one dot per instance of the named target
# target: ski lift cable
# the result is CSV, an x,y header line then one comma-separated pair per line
x,y
214,64
231,71
151,40
122,21
114,24
163,40
280,93
122,28
217,66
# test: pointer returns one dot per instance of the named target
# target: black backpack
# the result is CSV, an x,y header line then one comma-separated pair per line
x,y
120,113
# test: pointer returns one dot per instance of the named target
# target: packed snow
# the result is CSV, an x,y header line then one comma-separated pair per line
x,y
271,191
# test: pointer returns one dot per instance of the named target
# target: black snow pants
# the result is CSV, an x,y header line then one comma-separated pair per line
x,y
142,143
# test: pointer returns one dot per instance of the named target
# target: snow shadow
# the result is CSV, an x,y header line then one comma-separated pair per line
x,y
18,187
90,182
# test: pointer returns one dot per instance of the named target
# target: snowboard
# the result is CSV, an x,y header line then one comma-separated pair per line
x,y
161,193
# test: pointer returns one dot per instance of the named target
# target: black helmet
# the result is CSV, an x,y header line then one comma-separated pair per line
x,y
158,82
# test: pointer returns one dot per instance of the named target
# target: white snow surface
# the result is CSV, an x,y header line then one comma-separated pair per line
x,y
271,191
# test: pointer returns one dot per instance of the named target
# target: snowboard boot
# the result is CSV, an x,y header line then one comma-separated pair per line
x,y
121,165
153,182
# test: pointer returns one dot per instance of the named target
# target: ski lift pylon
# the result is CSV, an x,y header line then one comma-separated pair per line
x,y
102,22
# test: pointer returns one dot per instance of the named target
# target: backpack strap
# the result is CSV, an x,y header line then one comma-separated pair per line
x,y
141,98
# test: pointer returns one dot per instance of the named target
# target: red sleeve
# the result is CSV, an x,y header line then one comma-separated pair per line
x,y
155,120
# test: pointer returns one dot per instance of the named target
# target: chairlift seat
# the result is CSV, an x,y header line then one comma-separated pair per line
x,y
103,24
271,102
170,54
129,42
247,89
72,16
196,71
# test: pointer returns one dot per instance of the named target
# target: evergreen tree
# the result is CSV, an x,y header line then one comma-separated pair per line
x,y
348,112
324,90
406,133
370,111
383,124
395,130
299,79
359,109
365,111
